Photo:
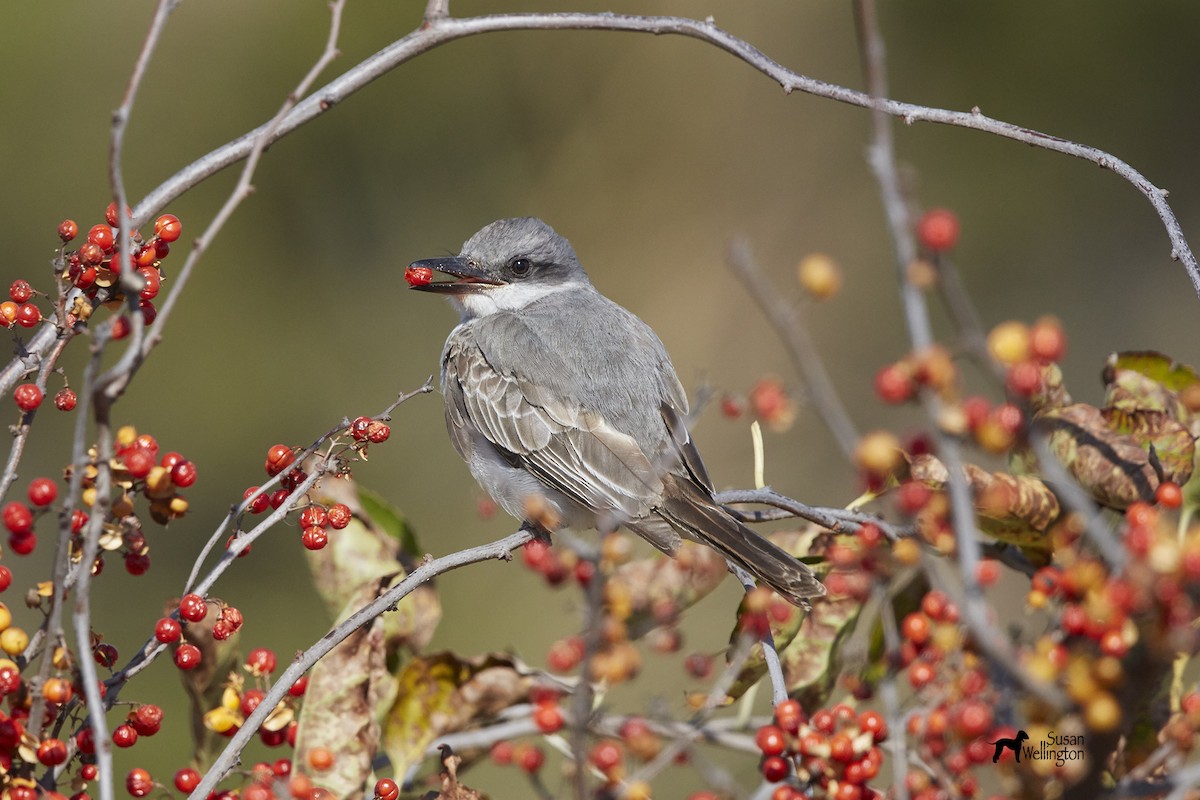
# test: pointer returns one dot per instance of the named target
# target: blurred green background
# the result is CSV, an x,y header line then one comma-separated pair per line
x,y
649,153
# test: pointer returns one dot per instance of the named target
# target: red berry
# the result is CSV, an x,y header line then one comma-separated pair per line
x,y
42,491
565,654
1168,495
168,630
698,665
548,717
874,723
18,518
27,396
894,384
775,769
120,328
418,276
921,673
193,607
65,400
102,237
261,662
605,755
915,628
28,315
22,544
68,229
314,538
1023,378
359,427
937,230
153,283
183,474
187,779
52,752
137,563
110,214
530,758
250,700
502,753
146,719
314,515
145,256
20,291
298,688
187,656
105,654
139,783
987,571
124,736
841,747
259,504
279,497
732,407
378,432
279,458
5,578
789,715
386,789
78,520
1047,340
91,254
138,461
339,516
974,719
168,228
771,740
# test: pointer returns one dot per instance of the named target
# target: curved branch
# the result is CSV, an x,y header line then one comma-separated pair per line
x,y
430,568
438,30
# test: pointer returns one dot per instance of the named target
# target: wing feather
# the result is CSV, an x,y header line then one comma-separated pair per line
x,y
572,449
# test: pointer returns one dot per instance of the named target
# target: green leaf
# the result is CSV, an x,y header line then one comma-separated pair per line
x,y
389,518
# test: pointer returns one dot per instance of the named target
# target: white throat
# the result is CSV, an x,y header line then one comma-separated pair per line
x,y
508,297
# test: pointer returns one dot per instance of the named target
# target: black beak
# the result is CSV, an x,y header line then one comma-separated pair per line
x,y
470,278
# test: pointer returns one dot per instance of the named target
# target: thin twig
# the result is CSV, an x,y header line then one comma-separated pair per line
x,y
838,520
696,725
962,512
786,320
118,377
429,569
890,696
779,691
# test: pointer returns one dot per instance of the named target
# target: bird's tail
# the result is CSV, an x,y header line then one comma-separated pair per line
x,y
696,515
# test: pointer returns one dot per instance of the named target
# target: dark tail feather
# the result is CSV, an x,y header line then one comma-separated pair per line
x,y
695,514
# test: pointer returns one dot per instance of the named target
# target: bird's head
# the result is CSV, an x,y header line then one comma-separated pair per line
x,y
504,267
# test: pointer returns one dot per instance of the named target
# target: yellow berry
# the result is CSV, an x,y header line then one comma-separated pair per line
x,y
14,640
819,275
1008,342
878,453
1102,713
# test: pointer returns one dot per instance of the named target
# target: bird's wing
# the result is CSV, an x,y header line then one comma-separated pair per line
x,y
572,449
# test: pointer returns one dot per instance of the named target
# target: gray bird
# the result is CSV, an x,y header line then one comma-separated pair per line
x,y
555,395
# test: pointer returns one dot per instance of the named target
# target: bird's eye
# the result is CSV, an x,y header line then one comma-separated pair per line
x,y
520,266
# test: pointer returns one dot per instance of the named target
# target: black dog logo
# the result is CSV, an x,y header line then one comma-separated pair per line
x,y
1011,744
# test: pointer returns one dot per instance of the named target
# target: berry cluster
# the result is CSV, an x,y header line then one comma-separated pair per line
x,y
835,752
95,269
315,519
239,701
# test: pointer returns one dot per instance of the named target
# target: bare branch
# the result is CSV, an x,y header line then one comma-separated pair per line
x,y
436,32
429,569
791,329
